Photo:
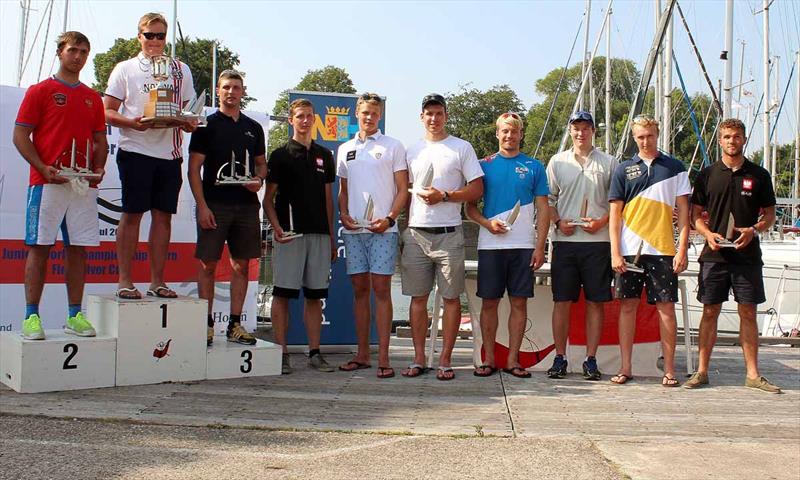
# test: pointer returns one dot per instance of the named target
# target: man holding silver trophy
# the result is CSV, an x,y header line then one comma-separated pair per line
x,y
56,116
226,197
144,99
373,177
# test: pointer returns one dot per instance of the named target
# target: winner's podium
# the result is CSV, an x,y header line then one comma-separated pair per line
x,y
158,339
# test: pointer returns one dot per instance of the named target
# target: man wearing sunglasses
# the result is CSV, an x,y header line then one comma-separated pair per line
x,y
372,170
579,179
515,190
433,245
149,160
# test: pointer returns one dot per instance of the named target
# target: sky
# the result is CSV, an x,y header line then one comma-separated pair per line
x,y
406,49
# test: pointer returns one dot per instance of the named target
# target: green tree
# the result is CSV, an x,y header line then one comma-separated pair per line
x,y
327,79
197,53
471,114
624,81
784,166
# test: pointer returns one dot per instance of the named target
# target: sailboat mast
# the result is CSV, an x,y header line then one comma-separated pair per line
x,y
214,74
741,73
797,138
775,104
608,84
174,27
658,91
726,104
765,162
584,65
666,128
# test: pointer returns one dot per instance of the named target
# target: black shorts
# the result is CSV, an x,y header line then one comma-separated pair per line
x,y
501,270
659,277
576,264
238,224
716,280
149,183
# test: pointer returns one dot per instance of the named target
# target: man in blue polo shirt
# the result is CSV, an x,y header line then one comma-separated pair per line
x,y
506,253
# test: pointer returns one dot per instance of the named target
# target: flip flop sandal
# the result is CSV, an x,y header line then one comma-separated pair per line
x,y
162,291
518,372
414,370
669,382
491,371
621,379
385,372
129,293
441,374
354,365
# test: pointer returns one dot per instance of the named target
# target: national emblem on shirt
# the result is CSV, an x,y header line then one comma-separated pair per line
x,y
59,99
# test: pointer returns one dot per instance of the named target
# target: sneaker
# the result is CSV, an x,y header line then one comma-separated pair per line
x,y
697,380
559,368
762,384
209,336
78,325
32,328
590,370
319,364
238,334
286,367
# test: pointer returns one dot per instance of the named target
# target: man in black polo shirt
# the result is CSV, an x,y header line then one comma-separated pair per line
x,y
299,197
733,186
227,212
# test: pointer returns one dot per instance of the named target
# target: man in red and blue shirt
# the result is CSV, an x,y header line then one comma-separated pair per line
x,y
55,114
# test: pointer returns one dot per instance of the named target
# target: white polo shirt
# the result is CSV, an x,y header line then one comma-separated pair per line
x,y
131,82
454,165
570,182
369,169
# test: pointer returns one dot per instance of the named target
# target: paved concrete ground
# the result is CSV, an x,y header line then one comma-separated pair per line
x,y
354,425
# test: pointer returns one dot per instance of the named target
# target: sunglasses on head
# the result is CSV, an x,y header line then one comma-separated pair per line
x,y
643,119
510,114
154,35
370,96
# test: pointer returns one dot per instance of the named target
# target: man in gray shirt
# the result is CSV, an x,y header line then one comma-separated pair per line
x,y
579,180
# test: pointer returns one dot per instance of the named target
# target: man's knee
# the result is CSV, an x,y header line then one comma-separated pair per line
x,y
382,287
360,285
208,266
240,267
518,303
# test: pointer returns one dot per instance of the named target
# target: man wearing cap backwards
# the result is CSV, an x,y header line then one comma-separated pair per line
x,y
644,193
735,189
433,245
513,184
579,179
371,167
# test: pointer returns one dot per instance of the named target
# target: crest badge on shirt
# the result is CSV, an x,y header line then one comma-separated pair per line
x,y
88,101
747,184
633,172
60,99
378,155
351,155
320,164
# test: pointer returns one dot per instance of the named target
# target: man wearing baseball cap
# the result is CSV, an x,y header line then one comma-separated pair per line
x,y
433,245
579,180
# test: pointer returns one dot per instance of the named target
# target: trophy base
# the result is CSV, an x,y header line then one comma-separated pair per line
x,y
167,122
506,226
417,191
291,235
726,244
578,224
237,181
70,173
362,225
629,267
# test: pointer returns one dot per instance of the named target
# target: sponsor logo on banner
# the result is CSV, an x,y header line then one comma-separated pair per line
x,y
335,127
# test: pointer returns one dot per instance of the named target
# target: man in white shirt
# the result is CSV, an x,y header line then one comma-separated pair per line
x,y
433,245
372,171
149,159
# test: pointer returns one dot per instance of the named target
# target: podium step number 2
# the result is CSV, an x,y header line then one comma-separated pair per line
x,y
60,362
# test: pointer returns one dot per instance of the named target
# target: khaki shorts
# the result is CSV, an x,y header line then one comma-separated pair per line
x,y
428,255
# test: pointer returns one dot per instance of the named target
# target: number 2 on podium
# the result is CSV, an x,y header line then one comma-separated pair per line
x,y
163,315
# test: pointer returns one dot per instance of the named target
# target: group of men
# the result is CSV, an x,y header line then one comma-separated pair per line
x,y
612,222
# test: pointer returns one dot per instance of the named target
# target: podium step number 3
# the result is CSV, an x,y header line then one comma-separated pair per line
x,y
60,362
231,360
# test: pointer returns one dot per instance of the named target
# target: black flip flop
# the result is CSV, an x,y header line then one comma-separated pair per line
x,y
382,372
492,371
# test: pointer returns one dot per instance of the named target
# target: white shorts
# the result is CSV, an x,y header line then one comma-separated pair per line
x,y
53,207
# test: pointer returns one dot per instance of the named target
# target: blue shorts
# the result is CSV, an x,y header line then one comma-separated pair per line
x,y
370,252
505,270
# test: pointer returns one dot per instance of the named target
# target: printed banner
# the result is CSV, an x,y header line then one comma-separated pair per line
x,y
102,266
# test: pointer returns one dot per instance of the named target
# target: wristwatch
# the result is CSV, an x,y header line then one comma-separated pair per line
x,y
556,223
391,221
445,196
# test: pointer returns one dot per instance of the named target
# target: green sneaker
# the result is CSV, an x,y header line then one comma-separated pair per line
x,y
32,328
78,325
762,384
697,380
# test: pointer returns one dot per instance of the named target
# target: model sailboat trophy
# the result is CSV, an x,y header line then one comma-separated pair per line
x,y
581,222
369,211
512,217
229,173
290,234
425,182
73,170
163,109
634,266
729,233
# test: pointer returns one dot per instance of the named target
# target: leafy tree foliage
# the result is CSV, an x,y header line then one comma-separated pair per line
x,y
784,166
472,114
327,79
197,53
